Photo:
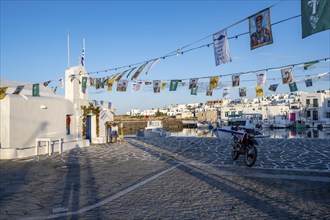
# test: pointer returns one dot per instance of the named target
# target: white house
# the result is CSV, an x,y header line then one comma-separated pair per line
x,y
27,121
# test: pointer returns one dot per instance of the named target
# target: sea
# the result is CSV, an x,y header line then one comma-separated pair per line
x,y
272,133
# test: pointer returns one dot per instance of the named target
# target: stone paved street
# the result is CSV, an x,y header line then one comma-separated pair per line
x,y
173,178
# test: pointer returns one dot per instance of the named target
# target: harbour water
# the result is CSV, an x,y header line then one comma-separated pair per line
x,y
273,133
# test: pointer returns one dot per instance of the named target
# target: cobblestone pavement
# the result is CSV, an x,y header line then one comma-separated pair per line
x,y
173,178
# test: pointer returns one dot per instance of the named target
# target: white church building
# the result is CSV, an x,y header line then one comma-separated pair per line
x,y
49,123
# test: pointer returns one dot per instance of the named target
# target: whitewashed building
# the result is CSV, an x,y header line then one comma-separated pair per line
x,y
30,121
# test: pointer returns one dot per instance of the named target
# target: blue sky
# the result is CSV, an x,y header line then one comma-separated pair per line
x,y
119,33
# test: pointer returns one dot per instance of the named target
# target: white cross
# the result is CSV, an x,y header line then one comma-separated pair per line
x,y
313,3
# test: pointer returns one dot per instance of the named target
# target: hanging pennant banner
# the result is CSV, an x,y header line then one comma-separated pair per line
x,y
154,62
137,86
122,85
314,16
147,83
163,85
261,78
18,90
55,89
308,64
91,81
35,89
260,29
259,91
293,87
194,90
61,83
123,74
242,92
46,83
157,84
109,105
137,73
214,81
225,92
235,80
221,48
95,102
193,83
287,75
273,87
84,82
3,92
110,83
174,85
309,82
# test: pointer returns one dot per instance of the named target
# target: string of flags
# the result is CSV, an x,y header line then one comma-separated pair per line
x,y
194,84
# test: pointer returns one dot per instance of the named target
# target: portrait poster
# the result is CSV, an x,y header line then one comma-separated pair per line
x,y
221,48
309,82
225,92
273,87
214,81
235,79
156,84
3,92
293,87
261,78
18,90
260,29
194,90
137,86
209,92
91,81
122,85
174,85
163,85
242,92
287,75
259,91
193,83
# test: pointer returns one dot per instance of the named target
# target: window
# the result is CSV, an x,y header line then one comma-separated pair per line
x,y
240,112
328,103
232,113
226,114
328,115
315,103
308,114
308,101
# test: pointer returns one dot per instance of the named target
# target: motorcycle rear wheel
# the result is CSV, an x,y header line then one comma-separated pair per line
x,y
250,156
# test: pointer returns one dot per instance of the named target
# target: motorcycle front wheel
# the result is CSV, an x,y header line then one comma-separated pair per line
x,y
250,156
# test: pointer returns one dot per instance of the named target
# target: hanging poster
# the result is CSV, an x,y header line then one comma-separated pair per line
x,y
18,90
225,92
235,79
314,16
242,92
221,48
91,81
35,89
287,75
309,82
122,85
61,82
174,85
3,92
273,87
156,84
193,83
137,73
214,81
260,29
194,90
293,87
209,92
259,91
261,78
137,86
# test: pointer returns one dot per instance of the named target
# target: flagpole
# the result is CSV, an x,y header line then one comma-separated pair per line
x,y
68,50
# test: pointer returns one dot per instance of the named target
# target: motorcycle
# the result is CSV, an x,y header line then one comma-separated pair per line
x,y
244,143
